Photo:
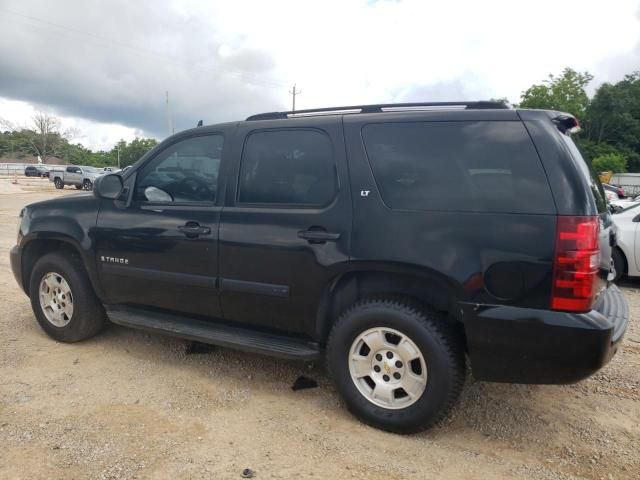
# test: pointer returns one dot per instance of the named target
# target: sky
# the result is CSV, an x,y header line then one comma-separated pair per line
x,y
104,67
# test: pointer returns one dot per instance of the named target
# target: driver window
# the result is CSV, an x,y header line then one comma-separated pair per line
x,y
186,171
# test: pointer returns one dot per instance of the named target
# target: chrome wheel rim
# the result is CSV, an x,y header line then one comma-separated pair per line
x,y
388,368
56,299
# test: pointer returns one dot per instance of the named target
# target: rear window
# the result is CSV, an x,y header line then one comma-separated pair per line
x,y
287,167
460,166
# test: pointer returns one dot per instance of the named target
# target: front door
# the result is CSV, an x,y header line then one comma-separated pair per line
x,y
161,251
285,227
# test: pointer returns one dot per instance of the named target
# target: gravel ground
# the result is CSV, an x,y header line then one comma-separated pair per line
x,y
132,405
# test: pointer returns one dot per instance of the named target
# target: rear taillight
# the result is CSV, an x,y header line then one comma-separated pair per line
x,y
576,264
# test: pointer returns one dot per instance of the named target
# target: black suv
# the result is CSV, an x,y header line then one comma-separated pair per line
x,y
35,171
397,241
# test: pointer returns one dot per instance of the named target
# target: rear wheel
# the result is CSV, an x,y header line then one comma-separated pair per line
x,y
58,183
399,366
62,299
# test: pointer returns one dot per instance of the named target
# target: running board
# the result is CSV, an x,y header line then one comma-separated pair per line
x,y
214,333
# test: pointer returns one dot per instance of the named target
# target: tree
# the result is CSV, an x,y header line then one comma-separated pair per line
x,y
133,151
614,113
610,162
565,93
43,136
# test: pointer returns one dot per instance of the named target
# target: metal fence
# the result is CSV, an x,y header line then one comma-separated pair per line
x,y
18,168
629,181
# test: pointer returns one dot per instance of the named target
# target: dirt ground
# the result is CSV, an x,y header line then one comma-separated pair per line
x,y
127,404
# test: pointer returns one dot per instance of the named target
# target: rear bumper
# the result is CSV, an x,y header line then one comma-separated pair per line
x,y
16,264
522,345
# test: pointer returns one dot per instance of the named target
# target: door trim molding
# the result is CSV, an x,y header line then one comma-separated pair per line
x,y
271,289
160,276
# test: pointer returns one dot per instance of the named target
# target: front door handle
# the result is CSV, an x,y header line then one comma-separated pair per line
x,y
193,229
318,236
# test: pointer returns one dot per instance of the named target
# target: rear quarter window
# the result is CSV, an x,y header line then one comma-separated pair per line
x,y
457,166
588,172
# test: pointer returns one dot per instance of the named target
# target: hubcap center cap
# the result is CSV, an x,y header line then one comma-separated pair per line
x,y
387,366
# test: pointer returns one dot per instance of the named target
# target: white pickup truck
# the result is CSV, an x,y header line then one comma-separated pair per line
x,y
80,177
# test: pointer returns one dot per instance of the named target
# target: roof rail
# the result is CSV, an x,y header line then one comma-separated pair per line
x,y
382,107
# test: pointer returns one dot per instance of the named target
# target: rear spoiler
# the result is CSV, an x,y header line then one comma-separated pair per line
x,y
565,122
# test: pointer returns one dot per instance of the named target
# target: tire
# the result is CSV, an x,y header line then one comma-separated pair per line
x,y
86,316
87,185
58,183
78,187
619,263
442,361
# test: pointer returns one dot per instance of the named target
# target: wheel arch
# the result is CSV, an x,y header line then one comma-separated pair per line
x,y
39,245
625,259
383,279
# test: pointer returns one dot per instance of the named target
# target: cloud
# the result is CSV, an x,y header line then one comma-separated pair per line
x,y
110,63
121,73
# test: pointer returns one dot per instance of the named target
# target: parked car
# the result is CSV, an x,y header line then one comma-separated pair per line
x,y
615,190
79,177
617,205
626,253
322,234
36,171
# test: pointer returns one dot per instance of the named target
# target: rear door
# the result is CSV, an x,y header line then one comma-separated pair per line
x,y
73,175
285,228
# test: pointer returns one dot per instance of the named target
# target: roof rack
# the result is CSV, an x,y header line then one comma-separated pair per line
x,y
383,107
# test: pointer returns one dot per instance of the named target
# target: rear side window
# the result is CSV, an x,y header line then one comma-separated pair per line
x,y
457,166
287,167
589,173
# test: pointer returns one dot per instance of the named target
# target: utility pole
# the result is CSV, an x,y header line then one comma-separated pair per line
x,y
293,93
118,147
168,114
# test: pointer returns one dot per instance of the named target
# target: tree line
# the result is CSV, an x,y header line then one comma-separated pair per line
x,y
43,136
610,120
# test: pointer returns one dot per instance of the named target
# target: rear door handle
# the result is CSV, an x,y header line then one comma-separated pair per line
x,y
318,236
193,229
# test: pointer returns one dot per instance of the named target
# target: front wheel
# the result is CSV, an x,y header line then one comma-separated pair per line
x,y
87,185
58,183
62,299
399,366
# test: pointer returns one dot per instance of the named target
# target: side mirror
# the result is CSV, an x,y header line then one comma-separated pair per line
x,y
108,186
